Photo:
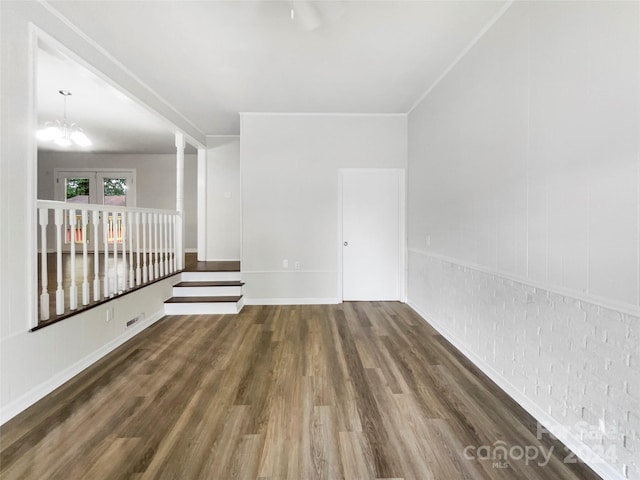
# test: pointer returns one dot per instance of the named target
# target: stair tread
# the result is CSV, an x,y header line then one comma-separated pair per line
x,y
221,283
230,299
213,266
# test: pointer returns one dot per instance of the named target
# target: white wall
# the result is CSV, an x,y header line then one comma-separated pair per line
x,y
223,198
32,364
524,213
289,171
155,180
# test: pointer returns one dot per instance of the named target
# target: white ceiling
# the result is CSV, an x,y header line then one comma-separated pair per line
x,y
212,59
113,122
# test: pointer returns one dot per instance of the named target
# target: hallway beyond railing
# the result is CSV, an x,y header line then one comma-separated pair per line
x,y
117,249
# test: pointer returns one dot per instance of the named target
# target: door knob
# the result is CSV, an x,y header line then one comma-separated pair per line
x,y
346,244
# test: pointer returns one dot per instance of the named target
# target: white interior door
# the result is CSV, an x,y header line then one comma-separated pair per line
x,y
372,234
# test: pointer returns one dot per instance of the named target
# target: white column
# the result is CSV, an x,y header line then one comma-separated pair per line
x,y
180,144
202,205
44,296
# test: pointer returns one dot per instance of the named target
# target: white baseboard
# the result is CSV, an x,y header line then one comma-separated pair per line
x,y
601,467
291,301
32,396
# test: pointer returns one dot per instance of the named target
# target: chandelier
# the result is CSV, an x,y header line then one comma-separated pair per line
x,y
63,133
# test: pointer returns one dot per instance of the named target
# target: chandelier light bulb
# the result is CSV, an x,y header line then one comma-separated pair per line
x,y
49,132
62,141
79,138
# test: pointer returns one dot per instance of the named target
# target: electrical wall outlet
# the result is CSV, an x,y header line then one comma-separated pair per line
x,y
285,263
296,265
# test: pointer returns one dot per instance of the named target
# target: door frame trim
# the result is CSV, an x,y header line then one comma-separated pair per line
x,y
402,234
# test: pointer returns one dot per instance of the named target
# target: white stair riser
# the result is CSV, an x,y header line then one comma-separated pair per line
x,y
202,308
207,291
209,276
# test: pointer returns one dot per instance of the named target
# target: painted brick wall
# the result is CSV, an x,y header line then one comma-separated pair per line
x,y
574,365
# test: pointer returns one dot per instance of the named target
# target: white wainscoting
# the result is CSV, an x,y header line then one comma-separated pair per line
x,y
571,364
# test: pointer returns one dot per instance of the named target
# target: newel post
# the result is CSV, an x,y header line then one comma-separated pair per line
x,y
180,144
202,204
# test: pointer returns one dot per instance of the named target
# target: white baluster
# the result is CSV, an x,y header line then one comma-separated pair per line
x,y
161,240
85,260
175,243
138,270
161,229
151,248
95,218
166,242
116,232
105,234
163,245
165,251
124,234
44,296
59,290
145,271
170,253
132,282
156,266
73,290
179,242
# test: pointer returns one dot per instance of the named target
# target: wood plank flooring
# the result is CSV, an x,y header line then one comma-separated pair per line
x,y
351,391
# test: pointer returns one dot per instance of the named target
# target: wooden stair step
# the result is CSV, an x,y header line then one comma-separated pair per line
x,y
234,298
213,266
212,276
220,283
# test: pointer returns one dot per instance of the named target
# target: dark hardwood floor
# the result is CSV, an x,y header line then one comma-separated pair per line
x,y
353,391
